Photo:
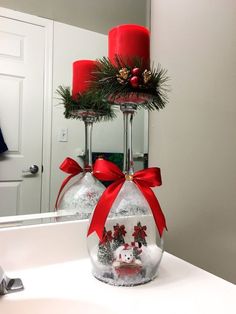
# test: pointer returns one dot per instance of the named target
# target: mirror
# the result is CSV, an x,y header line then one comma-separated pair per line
x,y
70,37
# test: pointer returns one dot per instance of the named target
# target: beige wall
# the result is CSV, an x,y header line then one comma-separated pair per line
x,y
194,138
95,15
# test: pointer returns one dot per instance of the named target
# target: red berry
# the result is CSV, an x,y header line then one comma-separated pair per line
x,y
135,71
134,81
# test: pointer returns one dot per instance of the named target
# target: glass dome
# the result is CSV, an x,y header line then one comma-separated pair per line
x,y
130,250
125,249
82,196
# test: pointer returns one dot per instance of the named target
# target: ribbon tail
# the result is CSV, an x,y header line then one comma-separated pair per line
x,y
103,207
155,207
62,187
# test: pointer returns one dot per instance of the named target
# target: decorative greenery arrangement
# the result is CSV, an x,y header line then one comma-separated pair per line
x,y
121,80
91,102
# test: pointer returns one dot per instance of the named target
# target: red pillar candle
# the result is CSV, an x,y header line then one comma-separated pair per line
x,y
82,76
129,41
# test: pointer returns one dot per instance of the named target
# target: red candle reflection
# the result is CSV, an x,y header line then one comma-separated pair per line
x,y
82,76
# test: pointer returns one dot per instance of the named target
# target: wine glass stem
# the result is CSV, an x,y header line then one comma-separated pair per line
x,y
88,163
128,163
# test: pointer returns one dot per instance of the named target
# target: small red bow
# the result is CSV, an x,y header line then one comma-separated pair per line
x,y
139,231
119,230
70,166
144,179
126,246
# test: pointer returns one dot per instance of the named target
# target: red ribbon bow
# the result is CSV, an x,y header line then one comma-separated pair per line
x,y
144,179
70,166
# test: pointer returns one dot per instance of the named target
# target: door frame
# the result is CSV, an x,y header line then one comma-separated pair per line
x,y
47,106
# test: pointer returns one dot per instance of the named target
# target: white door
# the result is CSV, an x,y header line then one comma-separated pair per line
x,y
22,50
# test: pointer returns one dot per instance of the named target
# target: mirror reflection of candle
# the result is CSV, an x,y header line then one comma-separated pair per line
x,y
82,76
81,197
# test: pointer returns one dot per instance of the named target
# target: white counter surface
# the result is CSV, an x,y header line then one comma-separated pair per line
x,y
70,288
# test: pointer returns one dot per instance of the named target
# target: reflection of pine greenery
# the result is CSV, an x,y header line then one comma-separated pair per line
x,y
90,101
105,79
117,158
105,255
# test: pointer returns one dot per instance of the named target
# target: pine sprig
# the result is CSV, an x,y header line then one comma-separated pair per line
x,y
109,80
92,101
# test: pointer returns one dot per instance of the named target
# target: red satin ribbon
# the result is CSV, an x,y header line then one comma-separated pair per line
x,y
144,179
70,166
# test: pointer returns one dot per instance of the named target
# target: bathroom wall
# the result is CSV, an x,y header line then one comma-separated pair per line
x,y
194,138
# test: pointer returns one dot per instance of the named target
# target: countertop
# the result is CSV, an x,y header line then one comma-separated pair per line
x,y
179,288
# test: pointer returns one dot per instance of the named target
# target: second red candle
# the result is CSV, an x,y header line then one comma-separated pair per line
x,y
82,76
